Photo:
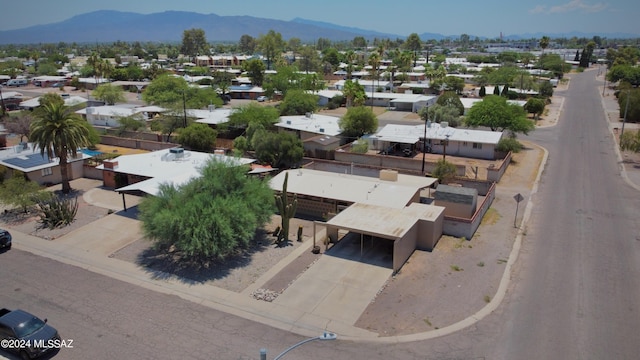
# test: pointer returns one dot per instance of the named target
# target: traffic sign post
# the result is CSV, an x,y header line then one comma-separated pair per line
x,y
517,197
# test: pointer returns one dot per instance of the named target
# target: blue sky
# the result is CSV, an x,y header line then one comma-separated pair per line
x,y
402,17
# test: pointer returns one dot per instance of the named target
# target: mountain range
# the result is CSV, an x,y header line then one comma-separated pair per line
x,y
168,26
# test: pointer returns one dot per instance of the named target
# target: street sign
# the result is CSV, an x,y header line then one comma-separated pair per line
x,y
517,197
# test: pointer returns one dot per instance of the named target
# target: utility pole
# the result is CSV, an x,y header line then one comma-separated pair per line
x,y
626,108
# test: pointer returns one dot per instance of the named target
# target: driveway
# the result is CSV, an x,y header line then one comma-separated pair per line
x,y
342,283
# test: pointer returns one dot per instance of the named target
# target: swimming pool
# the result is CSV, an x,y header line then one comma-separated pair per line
x,y
91,152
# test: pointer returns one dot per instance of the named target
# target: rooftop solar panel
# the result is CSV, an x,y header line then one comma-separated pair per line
x,y
28,161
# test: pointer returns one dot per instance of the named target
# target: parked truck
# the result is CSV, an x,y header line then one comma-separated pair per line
x,y
25,334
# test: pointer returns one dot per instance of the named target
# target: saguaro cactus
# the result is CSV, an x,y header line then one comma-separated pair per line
x,y
287,210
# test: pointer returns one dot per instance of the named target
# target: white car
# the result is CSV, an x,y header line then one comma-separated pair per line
x,y
261,98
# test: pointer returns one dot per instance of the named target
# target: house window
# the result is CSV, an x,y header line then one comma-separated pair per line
x,y
477,146
46,172
465,144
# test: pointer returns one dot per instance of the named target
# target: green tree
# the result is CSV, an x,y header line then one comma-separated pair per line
x,y
247,44
625,73
450,98
359,42
21,192
544,43
174,93
414,44
197,137
633,110
19,125
255,71
546,89
535,106
439,113
454,83
298,102
252,113
60,133
281,150
212,216
497,114
358,121
482,92
194,42
509,143
131,123
286,78
444,171
271,46
587,53
109,93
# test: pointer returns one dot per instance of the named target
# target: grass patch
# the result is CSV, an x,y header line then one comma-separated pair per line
x,y
487,299
481,264
456,268
502,261
491,217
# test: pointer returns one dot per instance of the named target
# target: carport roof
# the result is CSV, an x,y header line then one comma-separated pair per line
x,y
389,223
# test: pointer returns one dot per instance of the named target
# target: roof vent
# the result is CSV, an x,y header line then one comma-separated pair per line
x,y
177,152
444,124
321,130
307,115
288,122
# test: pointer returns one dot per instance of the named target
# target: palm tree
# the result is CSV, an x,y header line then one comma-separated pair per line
x,y
350,57
60,133
374,61
544,42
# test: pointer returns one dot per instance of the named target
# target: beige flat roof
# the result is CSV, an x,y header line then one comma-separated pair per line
x,y
382,221
353,188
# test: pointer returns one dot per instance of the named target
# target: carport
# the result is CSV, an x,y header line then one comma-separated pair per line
x,y
417,226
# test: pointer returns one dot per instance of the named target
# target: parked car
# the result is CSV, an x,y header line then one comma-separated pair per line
x,y
11,107
25,334
58,85
5,239
261,98
17,82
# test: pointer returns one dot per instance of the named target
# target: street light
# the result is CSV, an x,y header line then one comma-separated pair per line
x,y
324,336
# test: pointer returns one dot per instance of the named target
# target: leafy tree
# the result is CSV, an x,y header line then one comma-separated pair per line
x,y
587,53
240,146
323,43
21,192
271,46
625,73
354,93
439,113
212,216
286,78
497,114
358,121
444,171
360,146
482,92
359,42
627,55
247,44
281,150
298,102
60,133
535,106
197,137
414,44
496,90
174,93
331,56
130,123
243,116
310,61
449,98
509,143
255,70
544,43
633,110
454,83
553,63
546,89
194,42
109,93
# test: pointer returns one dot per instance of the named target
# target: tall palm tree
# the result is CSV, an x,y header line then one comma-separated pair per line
x,y
374,61
350,57
60,133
